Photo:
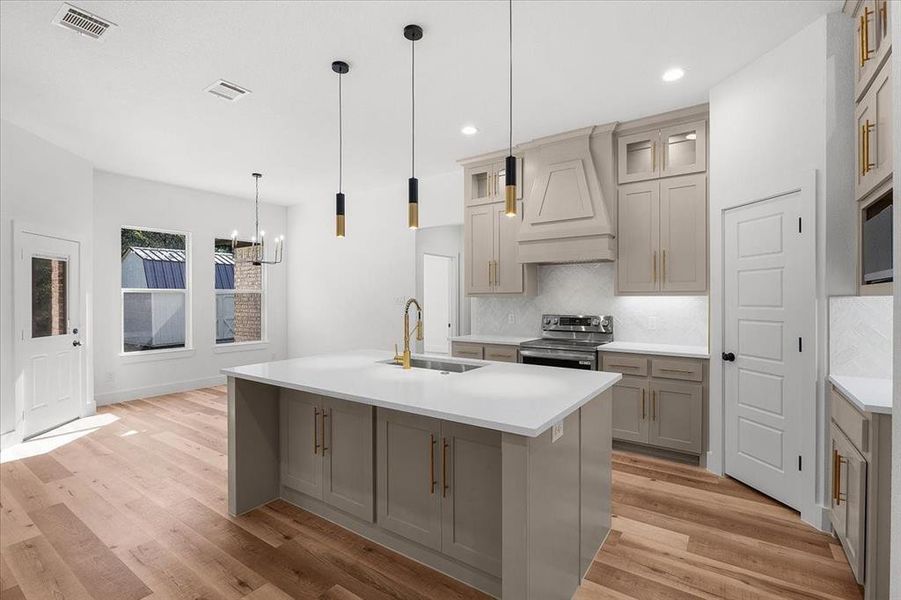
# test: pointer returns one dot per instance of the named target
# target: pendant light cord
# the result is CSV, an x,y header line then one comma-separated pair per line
x,y
511,76
340,137
256,204
413,111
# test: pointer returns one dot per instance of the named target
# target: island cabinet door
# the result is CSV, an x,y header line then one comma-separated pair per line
x,y
471,495
630,409
347,457
300,438
409,501
676,415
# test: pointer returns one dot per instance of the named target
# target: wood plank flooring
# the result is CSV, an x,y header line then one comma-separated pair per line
x,y
137,509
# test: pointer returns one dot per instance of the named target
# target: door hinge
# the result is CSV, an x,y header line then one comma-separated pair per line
x,y
799,462
799,224
800,345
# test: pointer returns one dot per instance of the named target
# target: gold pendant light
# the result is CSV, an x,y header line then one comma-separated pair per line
x,y
341,68
510,161
413,33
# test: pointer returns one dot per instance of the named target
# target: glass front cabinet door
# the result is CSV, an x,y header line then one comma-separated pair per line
x,y
638,156
683,149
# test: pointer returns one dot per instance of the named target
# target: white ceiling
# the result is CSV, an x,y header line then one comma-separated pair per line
x,y
134,104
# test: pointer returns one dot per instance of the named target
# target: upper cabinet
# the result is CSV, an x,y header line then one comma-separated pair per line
x,y
673,150
485,182
872,41
874,134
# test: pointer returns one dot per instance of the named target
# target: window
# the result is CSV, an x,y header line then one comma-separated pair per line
x,y
239,294
155,279
48,297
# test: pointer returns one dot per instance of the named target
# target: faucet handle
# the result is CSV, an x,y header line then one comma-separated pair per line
x,y
397,357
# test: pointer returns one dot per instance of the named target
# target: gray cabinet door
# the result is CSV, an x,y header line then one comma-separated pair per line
x,y
849,501
471,495
638,156
638,237
630,409
347,457
409,501
300,438
508,277
683,234
683,148
479,248
676,415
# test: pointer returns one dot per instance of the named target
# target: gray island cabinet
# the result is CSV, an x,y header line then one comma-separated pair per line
x,y
498,476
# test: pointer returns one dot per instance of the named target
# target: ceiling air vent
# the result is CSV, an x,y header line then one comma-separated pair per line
x,y
83,22
227,90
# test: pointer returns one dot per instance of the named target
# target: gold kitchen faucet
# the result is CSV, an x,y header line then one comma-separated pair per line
x,y
404,359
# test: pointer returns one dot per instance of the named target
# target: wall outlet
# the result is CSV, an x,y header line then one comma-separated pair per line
x,y
652,323
511,318
557,432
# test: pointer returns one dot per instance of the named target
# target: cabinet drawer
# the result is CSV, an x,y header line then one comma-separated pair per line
x,y
626,364
500,353
466,350
852,423
674,368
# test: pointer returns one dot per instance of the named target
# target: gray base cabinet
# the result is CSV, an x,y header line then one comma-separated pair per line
x,y
327,450
659,401
439,484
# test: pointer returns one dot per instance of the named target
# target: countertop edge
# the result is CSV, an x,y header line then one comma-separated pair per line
x,y
523,431
877,409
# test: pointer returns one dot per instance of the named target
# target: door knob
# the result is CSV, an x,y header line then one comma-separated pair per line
x,y
728,356
76,343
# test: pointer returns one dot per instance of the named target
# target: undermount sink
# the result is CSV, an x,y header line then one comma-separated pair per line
x,y
438,365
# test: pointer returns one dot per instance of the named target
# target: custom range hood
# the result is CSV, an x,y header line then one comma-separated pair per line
x,y
568,179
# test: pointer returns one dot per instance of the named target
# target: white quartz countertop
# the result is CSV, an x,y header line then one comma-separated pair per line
x,y
662,349
510,397
869,394
488,338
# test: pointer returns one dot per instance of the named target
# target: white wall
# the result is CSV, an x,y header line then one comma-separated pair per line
x,y
121,201
785,115
587,288
350,292
46,187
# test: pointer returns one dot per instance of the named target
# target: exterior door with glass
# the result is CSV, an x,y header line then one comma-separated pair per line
x,y
49,364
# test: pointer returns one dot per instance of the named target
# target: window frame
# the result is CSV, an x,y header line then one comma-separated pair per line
x,y
263,342
162,353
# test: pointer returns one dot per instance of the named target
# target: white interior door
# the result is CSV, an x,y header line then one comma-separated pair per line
x,y
48,345
769,312
438,276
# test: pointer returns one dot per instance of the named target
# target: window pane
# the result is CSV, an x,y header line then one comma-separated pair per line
x,y
239,286
48,297
153,320
153,259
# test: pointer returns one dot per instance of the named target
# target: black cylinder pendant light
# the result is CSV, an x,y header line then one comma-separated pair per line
x,y
510,161
341,68
413,33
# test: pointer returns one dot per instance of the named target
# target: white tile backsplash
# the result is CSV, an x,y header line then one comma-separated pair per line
x,y
860,336
587,288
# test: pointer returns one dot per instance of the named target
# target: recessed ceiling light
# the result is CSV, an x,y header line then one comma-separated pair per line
x,y
469,130
674,74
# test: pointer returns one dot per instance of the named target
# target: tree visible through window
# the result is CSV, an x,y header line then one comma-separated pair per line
x,y
239,294
154,290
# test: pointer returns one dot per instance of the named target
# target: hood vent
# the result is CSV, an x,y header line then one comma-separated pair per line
x,y
227,90
83,22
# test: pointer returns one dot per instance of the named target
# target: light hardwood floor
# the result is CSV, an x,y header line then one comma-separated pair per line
x,y
137,509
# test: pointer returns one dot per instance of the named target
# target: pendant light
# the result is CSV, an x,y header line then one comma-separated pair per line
x,y
510,161
341,68
257,255
413,33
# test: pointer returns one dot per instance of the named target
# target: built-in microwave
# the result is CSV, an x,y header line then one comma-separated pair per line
x,y
876,241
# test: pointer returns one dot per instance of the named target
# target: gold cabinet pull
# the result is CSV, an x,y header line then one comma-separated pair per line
x,y
315,429
865,51
322,421
655,266
689,371
867,128
444,486
883,16
653,405
839,459
654,157
860,151
432,481
663,264
834,475
642,405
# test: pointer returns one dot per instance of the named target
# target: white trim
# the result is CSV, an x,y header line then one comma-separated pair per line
x,y
10,438
240,346
158,390
153,355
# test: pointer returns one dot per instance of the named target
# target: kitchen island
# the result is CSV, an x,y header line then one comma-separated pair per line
x,y
497,474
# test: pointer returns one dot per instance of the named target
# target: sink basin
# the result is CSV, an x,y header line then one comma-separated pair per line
x,y
439,365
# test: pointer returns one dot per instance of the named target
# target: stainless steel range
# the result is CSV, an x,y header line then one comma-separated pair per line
x,y
569,341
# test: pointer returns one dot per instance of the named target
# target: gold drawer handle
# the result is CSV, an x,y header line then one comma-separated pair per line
x,y
623,366
324,415
688,371
653,405
315,430
444,486
643,414
432,481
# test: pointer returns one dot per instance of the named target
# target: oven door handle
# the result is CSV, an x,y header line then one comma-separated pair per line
x,y
580,356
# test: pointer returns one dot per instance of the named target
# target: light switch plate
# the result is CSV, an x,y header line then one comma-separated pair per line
x,y
557,432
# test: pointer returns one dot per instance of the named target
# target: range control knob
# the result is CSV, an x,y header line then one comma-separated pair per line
x,y
595,322
555,320
547,321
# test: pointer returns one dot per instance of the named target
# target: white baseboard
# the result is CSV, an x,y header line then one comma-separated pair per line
x,y
157,390
817,515
10,438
